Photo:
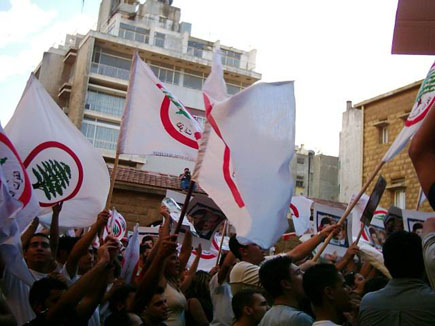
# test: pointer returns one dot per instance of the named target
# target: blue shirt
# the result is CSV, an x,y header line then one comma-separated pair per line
x,y
403,302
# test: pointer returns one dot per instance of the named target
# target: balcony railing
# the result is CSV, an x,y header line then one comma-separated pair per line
x,y
110,71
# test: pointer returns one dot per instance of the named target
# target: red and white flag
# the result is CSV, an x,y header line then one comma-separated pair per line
x,y
17,182
116,226
61,163
423,103
154,121
300,209
244,160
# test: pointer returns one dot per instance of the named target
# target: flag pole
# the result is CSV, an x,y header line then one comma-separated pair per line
x,y
359,234
118,143
349,209
420,193
222,242
184,209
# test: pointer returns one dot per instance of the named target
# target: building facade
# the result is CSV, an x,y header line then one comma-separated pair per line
x,y
350,153
315,175
383,117
88,78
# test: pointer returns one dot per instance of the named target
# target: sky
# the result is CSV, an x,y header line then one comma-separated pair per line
x,y
334,50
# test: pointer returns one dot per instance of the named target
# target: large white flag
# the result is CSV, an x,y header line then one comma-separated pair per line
x,y
17,182
244,160
154,121
61,163
300,209
423,103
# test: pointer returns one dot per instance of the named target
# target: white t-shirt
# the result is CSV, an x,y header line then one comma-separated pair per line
x,y
221,297
280,315
325,323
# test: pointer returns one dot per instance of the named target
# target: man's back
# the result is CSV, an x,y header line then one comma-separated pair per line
x,y
403,302
280,315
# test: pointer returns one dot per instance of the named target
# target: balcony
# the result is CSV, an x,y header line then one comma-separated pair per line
x,y
110,71
65,90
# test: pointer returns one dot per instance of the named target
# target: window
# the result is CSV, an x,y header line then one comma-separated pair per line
x,y
299,181
233,89
105,103
110,64
383,135
195,48
134,33
400,198
169,76
159,39
193,79
231,58
300,160
100,133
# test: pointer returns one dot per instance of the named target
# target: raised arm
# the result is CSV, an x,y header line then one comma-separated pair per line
x,y
29,231
185,251
82,246
306,248
226,267
79,291
348,256
192,270
54,229
152,276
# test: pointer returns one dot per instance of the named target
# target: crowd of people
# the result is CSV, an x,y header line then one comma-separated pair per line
x,y
67,281
64,280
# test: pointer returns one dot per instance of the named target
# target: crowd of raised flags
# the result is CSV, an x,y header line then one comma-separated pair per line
x,y
242,161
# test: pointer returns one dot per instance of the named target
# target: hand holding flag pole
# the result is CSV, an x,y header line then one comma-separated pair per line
x,y
184,209
222,242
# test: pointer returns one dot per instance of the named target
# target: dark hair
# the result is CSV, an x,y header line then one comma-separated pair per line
x,y
148,295
66,243
272,272
242,299
403,255
325,221
40,290
144,247
35,235
374,284
235,246
316,279
147,238
417,226
199,288
118,318
349,279
120,295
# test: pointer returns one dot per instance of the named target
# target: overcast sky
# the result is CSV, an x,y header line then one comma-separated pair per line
x,y
334,50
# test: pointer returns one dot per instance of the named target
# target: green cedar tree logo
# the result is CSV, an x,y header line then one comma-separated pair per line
x,y
3,160
52,178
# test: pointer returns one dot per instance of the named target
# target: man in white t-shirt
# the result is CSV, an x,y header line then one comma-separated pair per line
x,y
244,275
329,296
283,282
220,292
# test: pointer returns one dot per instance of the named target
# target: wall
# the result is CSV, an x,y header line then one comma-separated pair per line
x,y
325,177
392,109
350,153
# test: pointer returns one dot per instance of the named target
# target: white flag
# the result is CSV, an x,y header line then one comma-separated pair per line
x,y
9,206
244,160
300,208
154,121
423,103
61,163
206,262
131,256
116,226
17,182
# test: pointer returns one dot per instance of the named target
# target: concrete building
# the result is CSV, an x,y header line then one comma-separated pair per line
x,y
350,153
315,175
88,76
383,117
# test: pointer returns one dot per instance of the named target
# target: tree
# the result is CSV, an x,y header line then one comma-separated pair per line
x,y
52,178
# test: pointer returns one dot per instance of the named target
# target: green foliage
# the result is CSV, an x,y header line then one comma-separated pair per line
x,y
52,178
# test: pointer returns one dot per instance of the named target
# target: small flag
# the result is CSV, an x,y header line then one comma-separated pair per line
x,y
131,256
300,209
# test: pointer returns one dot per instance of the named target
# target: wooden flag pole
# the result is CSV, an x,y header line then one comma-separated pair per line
x,y
349,209
184,209
222,242
112,179
420,193
360,233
